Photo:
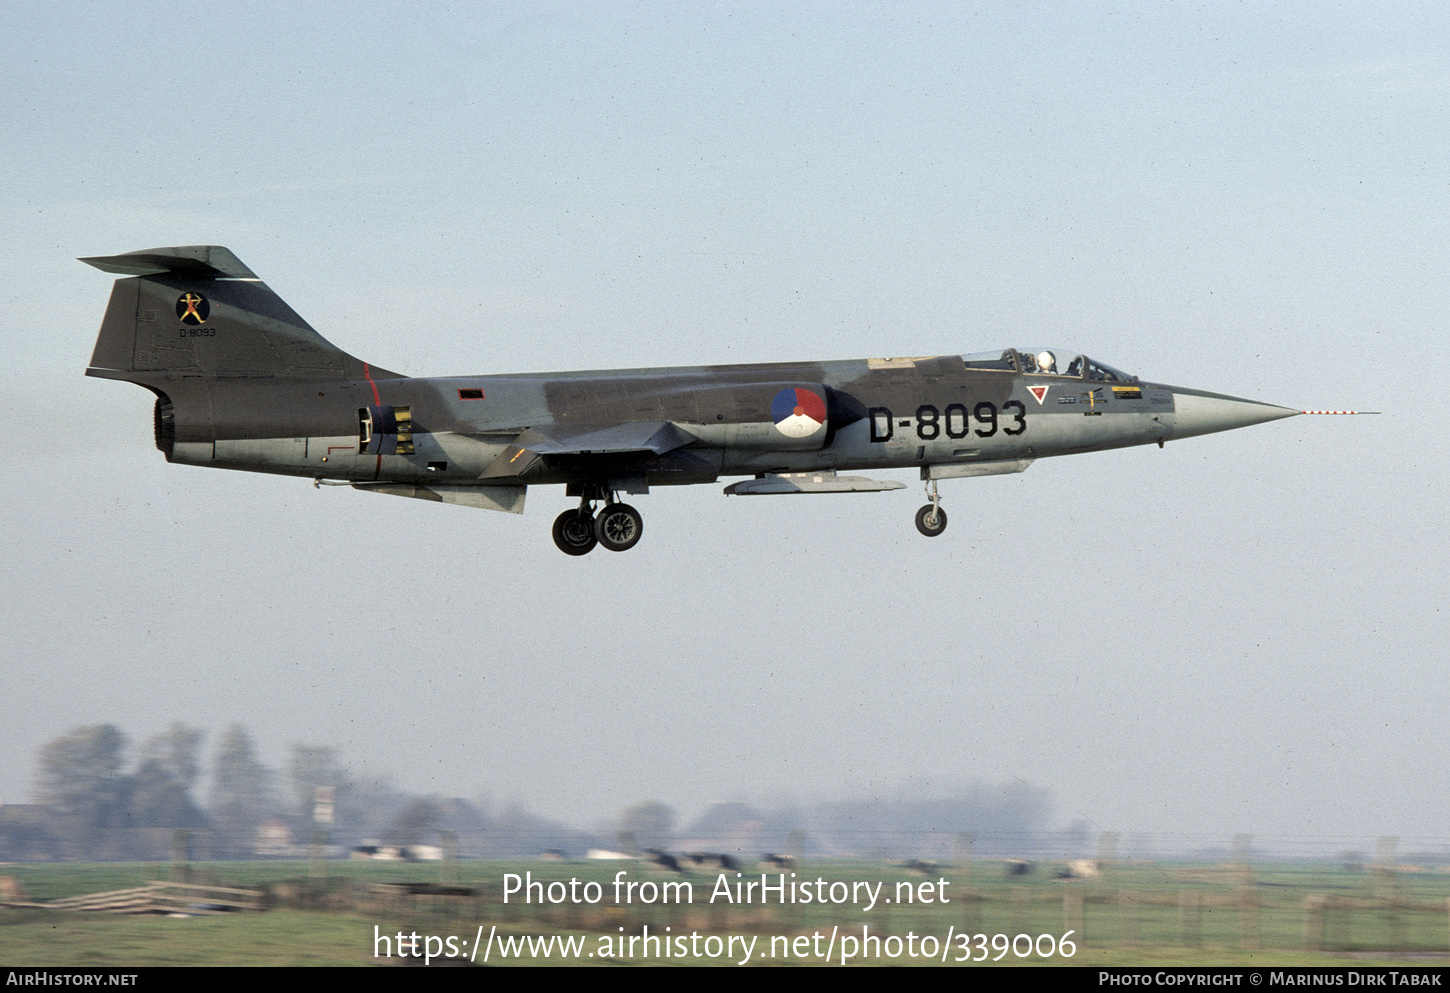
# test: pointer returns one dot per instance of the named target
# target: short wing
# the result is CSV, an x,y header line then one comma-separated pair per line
x,y
532,444
509,499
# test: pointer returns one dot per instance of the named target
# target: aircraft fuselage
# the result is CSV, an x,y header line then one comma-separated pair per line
x,y
882,414
243,382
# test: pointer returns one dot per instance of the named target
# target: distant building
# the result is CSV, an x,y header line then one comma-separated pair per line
x,y
397,853
274,838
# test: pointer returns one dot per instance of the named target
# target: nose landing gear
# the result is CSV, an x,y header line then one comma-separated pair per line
x,y
931,520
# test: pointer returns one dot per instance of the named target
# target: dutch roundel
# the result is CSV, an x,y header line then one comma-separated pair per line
x,y
798,413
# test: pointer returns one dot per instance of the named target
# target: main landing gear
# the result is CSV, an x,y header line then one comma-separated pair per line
x,y
931,520
617,527
574,532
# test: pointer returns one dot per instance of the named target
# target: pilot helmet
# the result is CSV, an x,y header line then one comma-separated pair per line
x,y
1046,362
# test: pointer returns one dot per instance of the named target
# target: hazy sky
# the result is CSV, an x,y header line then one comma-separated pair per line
x,y
1239,633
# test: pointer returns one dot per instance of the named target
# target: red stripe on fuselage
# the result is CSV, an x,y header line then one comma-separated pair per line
x,y
367,374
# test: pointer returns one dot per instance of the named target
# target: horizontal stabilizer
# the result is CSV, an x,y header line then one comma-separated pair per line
x,y
189,261
509,499
810,482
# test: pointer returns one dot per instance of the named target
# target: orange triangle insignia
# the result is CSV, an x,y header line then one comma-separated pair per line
x,y
1040,392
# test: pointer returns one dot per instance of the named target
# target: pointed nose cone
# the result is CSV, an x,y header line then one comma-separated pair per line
x,y
1196,412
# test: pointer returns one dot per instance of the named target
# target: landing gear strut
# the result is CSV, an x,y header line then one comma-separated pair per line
x,y
618,526
931,520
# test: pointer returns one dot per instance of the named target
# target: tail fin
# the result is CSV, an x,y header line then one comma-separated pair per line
x,y
197,310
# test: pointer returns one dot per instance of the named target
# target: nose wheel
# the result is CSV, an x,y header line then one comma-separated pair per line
x,y
931,520
617,527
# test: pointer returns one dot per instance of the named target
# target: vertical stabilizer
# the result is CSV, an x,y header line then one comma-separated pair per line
x,y
196,310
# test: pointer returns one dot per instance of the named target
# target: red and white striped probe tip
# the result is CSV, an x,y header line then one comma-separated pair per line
x,y
1339,411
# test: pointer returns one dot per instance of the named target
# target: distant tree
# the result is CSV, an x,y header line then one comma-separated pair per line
x,y
80,780
27,833
517,832
651,823
98,807
317,774
1077,840
739,827
624,842
409,826
241,796
157,800
373,805
178,752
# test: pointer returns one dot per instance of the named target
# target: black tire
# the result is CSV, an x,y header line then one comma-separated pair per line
x,y
574,533
618,527
930,525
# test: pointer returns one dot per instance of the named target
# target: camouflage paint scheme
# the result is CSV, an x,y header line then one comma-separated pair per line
x,y
243,382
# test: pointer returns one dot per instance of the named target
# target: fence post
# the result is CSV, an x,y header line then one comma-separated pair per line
x,y
1249,919
1314,922
180,843
1072,914
1248,894
1021,907
965,840
1188,918
1127,919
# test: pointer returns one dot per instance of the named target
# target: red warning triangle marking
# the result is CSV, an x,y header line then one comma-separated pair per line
x,y
1040,392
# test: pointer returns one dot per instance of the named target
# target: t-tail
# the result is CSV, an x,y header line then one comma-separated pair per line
x,y
197,310
225,356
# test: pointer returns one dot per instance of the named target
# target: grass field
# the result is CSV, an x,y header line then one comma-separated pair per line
x,y
1158,914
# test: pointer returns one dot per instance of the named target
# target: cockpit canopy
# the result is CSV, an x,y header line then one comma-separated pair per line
x,y
1047,362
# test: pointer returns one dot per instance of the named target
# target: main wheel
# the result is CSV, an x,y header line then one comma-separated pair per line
x,y
618,527
574,533
931,521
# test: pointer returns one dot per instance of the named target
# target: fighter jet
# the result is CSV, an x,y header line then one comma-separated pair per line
x,y
243,382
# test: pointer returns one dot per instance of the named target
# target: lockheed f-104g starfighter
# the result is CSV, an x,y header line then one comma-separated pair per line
x,y
243,382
